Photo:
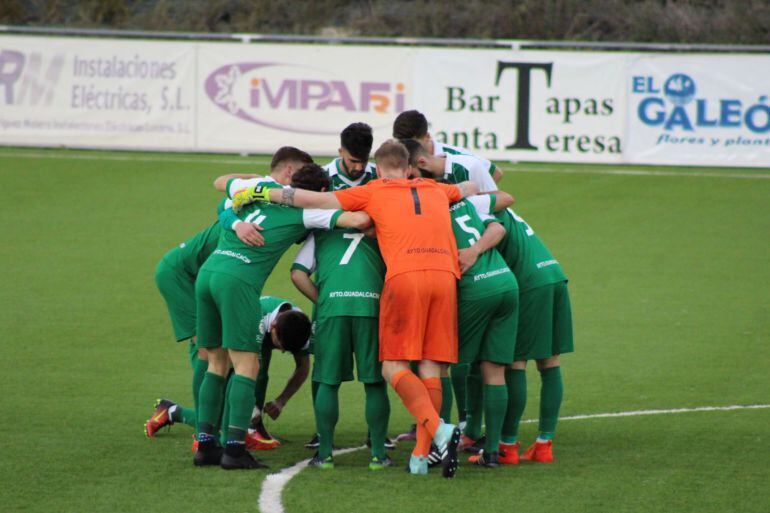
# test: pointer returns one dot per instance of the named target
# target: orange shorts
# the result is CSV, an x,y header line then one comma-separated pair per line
x,y
418,317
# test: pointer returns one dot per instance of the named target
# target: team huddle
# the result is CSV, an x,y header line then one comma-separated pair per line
x,y
419,272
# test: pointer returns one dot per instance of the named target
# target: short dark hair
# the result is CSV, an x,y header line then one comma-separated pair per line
x,y
289,153
392,154
410,124
311,177
293,330
415,149
357,139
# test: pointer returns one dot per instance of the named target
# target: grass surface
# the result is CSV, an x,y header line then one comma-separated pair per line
x,y
669,282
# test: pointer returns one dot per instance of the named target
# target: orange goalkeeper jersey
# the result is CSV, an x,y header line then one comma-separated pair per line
x,y
411,218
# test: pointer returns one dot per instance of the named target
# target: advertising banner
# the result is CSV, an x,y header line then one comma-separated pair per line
x,y
546,106
256,98
711,110
96,93
537,106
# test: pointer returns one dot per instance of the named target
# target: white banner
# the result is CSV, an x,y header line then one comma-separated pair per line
x,y
256,98
699,110
96,93
538,106
589,107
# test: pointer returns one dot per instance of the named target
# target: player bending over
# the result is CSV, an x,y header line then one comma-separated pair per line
x,y
177,271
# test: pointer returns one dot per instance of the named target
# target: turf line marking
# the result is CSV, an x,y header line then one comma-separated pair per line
x,y
659,412
256,161
273,485
641,172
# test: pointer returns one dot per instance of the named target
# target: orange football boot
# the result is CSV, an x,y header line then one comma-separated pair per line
x,y
509,453
541,452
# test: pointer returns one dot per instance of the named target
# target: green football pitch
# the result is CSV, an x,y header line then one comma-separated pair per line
x,y
670,283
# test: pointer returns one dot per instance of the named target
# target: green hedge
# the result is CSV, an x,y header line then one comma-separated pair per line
x,y
687,21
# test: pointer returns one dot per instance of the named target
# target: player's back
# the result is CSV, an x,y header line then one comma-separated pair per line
x,y
414,230
489,275
281,227
526,254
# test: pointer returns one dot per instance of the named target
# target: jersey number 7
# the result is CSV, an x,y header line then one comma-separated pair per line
x,y
356,239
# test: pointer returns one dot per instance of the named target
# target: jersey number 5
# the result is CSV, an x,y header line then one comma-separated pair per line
x,y
354,242
462,221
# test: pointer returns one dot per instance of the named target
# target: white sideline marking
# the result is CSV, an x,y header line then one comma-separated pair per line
x,y
641,172
658,412
273,485
254,161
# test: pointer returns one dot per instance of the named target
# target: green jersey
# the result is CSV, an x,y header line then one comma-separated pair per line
x,y
463,168
349,272
270,306
340,179
442,149
190,255
282,226
526,254
489,275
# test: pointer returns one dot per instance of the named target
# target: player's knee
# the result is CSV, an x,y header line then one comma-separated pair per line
x,y
547,363
519,365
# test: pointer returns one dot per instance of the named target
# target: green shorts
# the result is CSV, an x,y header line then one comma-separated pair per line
x,y
487,328
337,340
545,322
228,312
178,290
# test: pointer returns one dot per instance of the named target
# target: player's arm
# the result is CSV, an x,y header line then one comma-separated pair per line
x,y
248,233
303,267
302,198
358,220
220,183
497,174
503,200
467,189
298,377
304,284
493,234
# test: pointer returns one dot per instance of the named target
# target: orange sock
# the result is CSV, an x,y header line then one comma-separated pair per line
x,y
422,447
417,400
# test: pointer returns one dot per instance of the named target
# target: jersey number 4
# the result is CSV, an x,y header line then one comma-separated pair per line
x,y
355,240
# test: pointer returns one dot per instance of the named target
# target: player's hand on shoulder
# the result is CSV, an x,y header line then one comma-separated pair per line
x,y
249,234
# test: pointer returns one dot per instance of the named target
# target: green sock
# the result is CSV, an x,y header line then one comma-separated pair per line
x,y
474,404
224,419
551,392
327,412
516,382
459,374
240,399
377,416
495,402
199,370
211,396
446,399
314,389
184,415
